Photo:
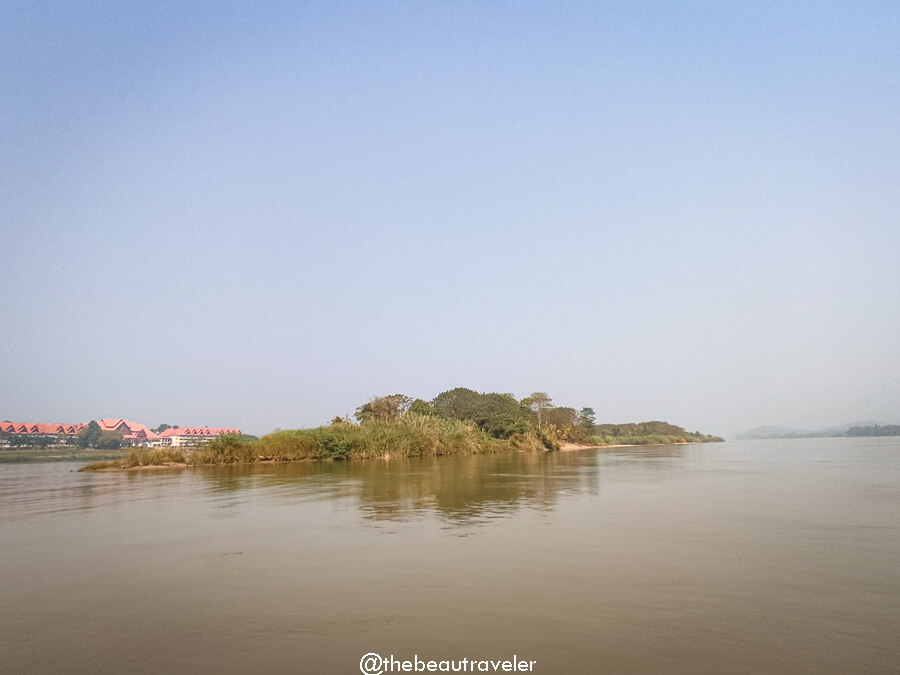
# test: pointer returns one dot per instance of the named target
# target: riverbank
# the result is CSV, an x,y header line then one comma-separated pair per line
x,y
572,447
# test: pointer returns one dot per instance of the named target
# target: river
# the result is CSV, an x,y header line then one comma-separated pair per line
x,y
738,557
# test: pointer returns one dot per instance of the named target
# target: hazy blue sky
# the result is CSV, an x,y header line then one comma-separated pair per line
x,y
259,216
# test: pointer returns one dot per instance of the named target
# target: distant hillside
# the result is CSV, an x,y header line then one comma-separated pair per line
x,y
853,430
844,428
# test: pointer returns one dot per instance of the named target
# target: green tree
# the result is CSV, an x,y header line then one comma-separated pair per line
x,y
500,415
110,440
420,407
89,436
561,418
43,441
458,404
94,437
539,401
587,418
384,408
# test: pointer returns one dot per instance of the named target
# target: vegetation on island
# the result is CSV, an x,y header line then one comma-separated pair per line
x,y
458,421
648,433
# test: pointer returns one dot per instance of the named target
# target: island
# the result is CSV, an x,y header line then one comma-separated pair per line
x,y
458,421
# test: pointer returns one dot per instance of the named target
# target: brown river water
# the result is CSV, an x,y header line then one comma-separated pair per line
x,y
739,557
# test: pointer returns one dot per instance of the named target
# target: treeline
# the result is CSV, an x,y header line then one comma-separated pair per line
x,y
8,440
873,430
855,431
649,433
499,415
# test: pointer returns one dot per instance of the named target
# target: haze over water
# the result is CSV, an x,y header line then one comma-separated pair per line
x,y
259,216
762,556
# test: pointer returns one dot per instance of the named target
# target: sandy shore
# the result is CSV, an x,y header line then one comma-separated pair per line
x,y
570,447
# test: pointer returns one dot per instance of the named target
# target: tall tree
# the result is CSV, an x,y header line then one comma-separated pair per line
x,y
500,415
587,417
89,436
420,407
561,418
384,408
539,401
92,436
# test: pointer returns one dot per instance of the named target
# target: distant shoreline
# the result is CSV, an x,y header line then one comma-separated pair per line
x,y
865,430
572,447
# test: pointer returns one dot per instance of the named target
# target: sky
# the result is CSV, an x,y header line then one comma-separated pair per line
x,y
260,216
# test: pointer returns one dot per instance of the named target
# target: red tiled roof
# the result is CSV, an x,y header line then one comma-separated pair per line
x,y
111,424
130,429
40,428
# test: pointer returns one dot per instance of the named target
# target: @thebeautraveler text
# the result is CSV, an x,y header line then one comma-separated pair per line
x,y
375,664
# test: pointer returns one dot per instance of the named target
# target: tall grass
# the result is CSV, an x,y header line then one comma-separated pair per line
x,y
410,436
224,450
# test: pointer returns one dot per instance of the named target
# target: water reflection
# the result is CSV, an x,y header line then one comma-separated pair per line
x,y
470,492
29,490
649,457
458,490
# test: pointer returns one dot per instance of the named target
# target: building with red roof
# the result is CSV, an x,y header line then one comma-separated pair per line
x,y
177,436
133,433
